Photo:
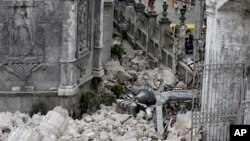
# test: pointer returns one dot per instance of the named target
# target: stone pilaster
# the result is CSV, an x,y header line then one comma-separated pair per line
x,y
152,18
98,70
182,35
107,28
151,23
164,29
68,59
182,42
211,24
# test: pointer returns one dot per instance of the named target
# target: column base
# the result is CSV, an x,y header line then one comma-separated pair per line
x,y
98,73
68,91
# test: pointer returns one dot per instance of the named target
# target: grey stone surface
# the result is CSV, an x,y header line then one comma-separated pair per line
x,y
32,52
227,42
107,29
48,45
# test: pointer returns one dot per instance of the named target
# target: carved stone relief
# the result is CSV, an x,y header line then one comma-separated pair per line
x,y
22,37
22,71
84,27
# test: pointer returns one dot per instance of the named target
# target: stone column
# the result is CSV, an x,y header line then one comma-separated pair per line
x,y
164,29
98,70
175,62
119,5
210,38
151,23
152,18
108,12
69,48
182,35
199,12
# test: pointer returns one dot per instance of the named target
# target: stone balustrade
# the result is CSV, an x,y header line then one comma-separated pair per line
x,y
155,37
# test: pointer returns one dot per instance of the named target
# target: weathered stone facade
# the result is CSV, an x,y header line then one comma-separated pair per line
x,y
225,85
228,38
52,46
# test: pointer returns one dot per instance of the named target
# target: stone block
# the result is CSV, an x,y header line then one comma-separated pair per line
x,y
126,107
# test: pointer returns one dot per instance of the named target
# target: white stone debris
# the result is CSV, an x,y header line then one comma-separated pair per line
x,y
103,125
181,129
56,125
168,77
135,72
181,84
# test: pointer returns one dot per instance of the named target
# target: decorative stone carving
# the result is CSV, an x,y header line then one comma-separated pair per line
x,y
22,37
22,71
84,27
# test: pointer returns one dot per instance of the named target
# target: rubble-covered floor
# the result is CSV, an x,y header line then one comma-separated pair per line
x,y
103,125
134,73
137,71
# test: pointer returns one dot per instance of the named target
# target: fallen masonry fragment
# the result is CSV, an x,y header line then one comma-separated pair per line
x,y
165,108
104,124
164,98
155,91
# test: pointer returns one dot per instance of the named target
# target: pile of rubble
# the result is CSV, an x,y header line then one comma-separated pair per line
x,y
107,124
103,125
137,71
181,130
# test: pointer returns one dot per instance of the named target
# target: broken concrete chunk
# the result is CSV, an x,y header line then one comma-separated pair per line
x,y
6,122
149,113
155,135
123,76
61,110
140,115
98,117
133,74
181,84
86,136
168,77
88,118
55,122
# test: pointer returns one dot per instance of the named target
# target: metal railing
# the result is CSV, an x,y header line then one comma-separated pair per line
x,y
220,90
